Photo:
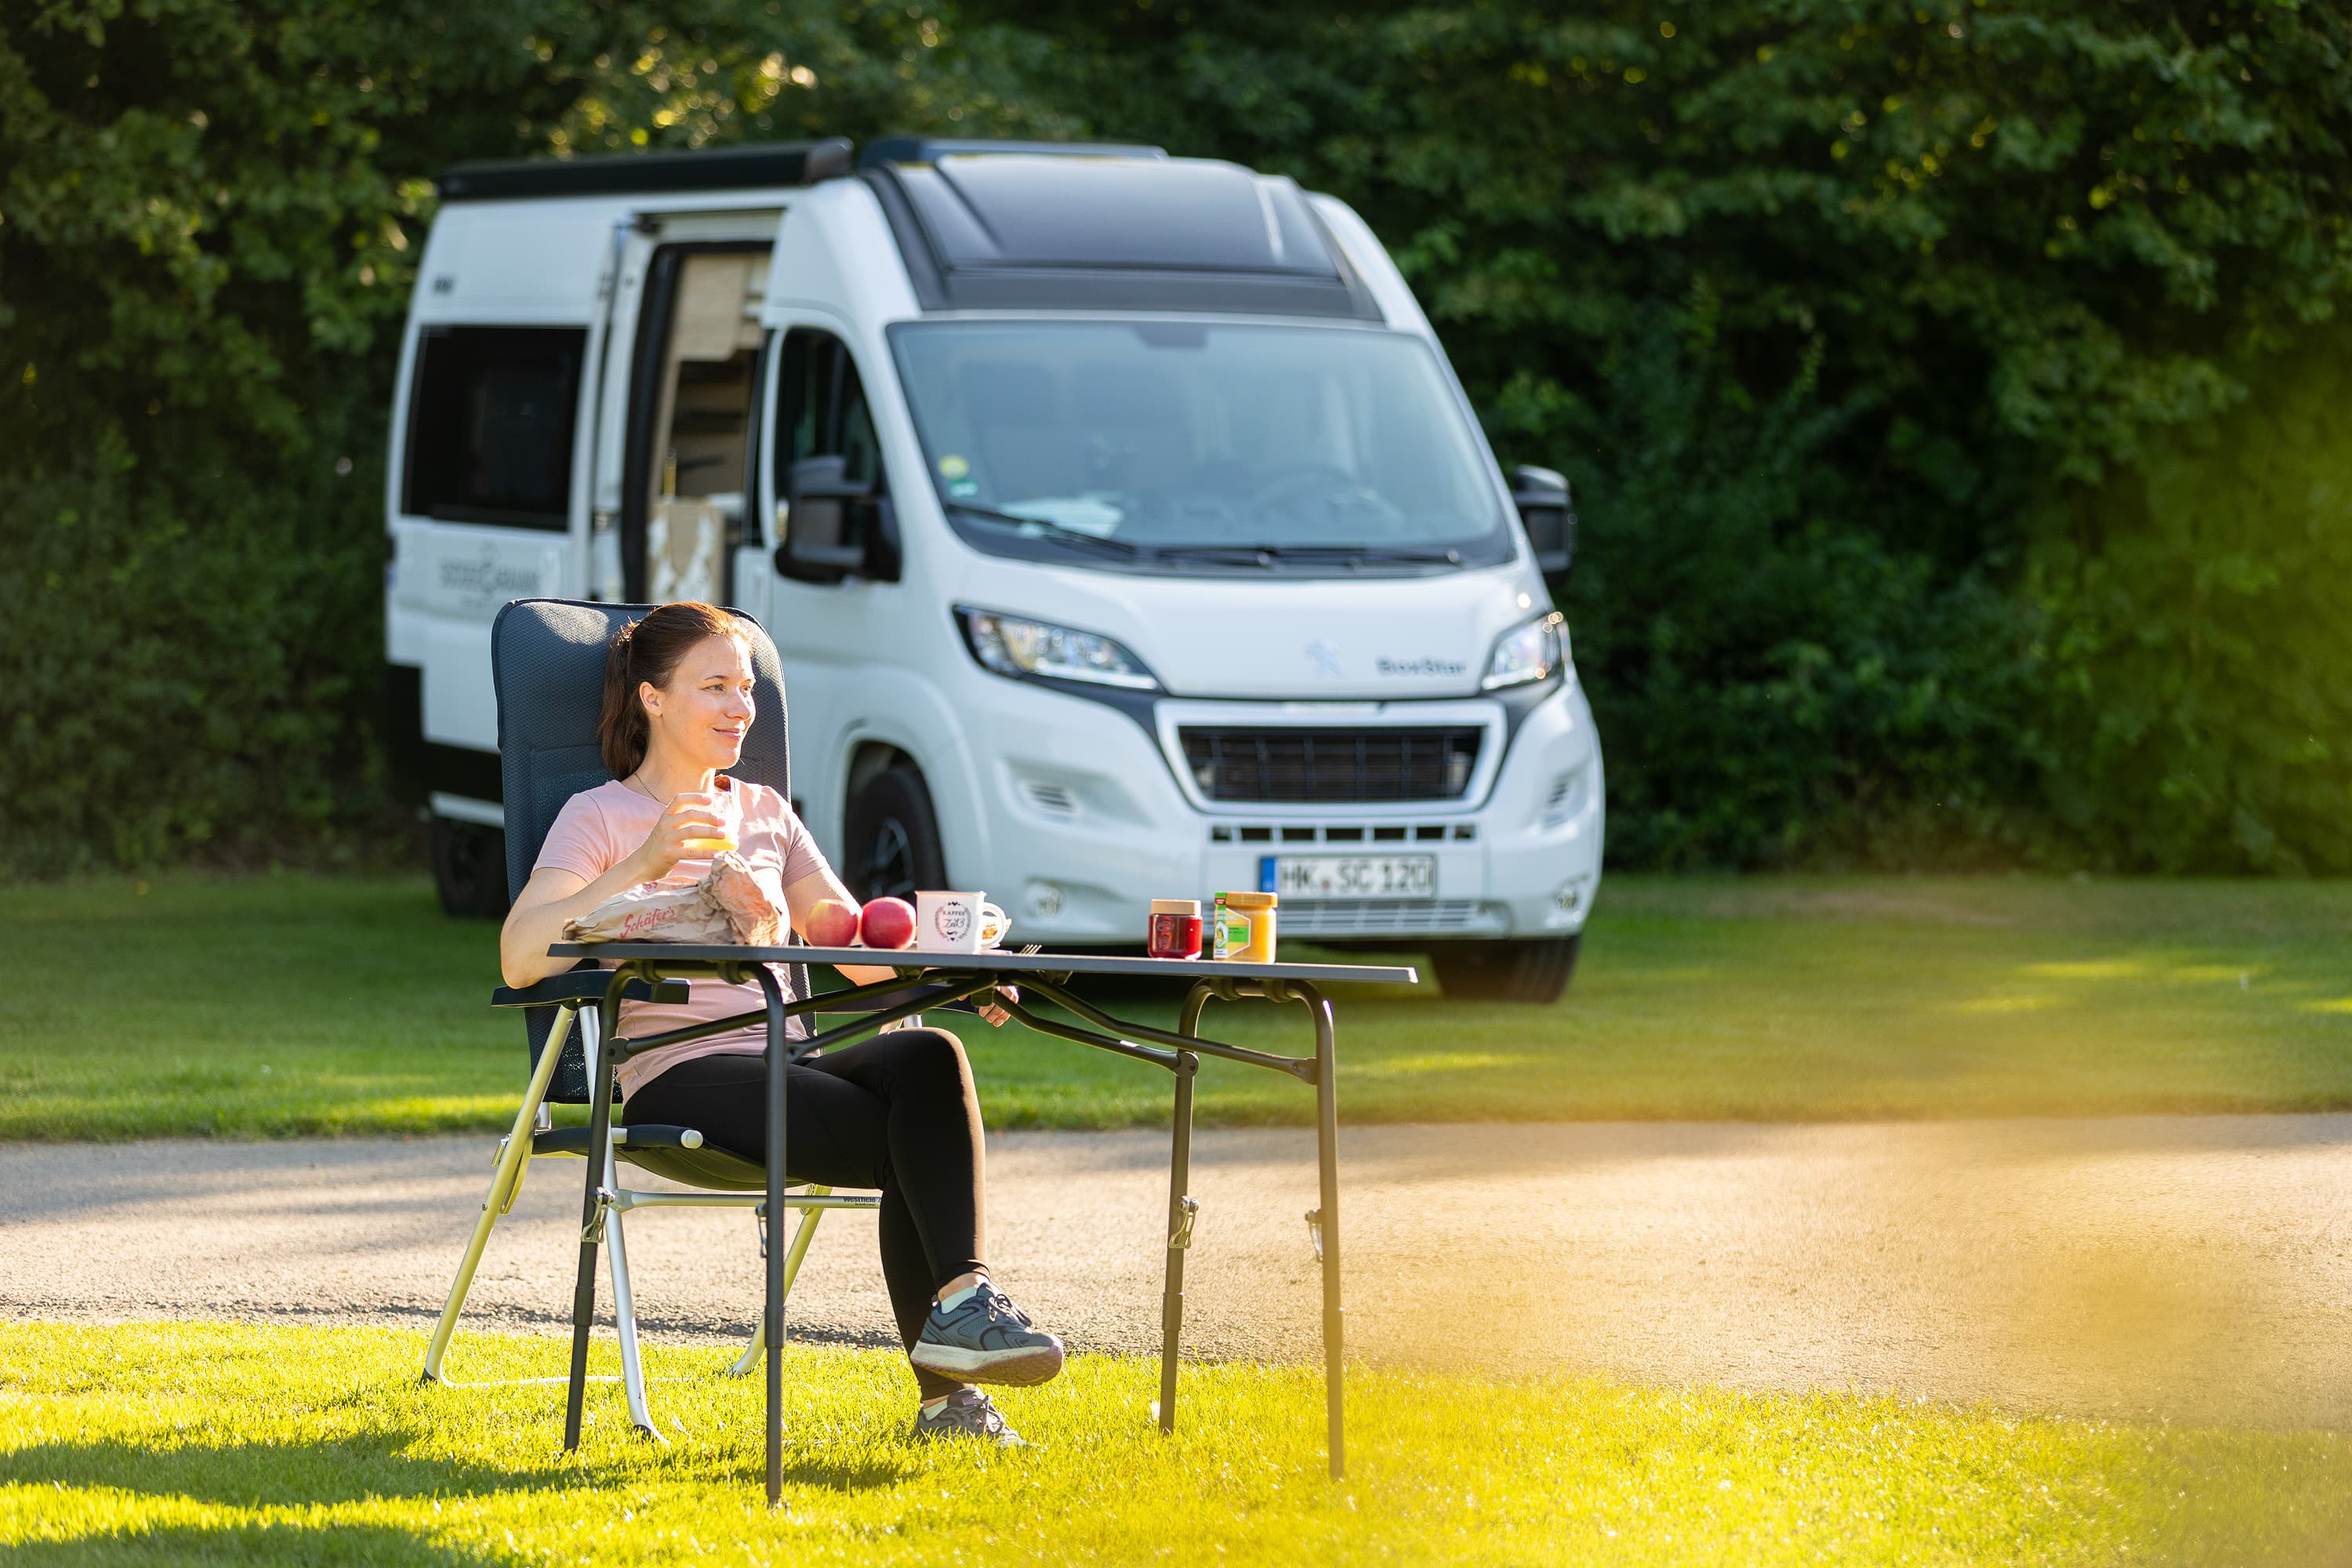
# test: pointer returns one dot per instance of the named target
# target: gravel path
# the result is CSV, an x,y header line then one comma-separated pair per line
x,y
2198,1268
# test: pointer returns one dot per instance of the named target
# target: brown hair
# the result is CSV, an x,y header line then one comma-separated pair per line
x,y
649,650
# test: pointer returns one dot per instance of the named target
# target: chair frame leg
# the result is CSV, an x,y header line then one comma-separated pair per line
x,y
513,1155
802,1234
625,1314
595,1206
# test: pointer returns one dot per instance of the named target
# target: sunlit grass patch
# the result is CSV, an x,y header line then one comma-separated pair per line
x,y
1425,1062
2041,1002
168,1443
2090,969
2213,973
275,1006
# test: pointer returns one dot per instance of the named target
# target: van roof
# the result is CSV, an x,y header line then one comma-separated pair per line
x,y
1019,224
1111,231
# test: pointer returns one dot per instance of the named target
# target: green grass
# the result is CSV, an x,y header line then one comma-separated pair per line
x,y
169,1443
275,1005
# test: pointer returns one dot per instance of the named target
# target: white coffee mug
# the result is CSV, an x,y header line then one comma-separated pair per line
x,y
956,922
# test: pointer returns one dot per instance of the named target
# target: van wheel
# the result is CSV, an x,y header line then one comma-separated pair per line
x,y
470,870
893,838
1507,971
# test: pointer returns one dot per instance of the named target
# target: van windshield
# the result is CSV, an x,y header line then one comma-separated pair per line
x,y
1185,445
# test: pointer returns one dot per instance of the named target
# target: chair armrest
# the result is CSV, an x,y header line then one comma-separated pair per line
x,y
584,985
651,1135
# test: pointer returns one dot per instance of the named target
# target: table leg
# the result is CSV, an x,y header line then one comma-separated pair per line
x,y
1326,1160
592,1205
774,1316
1180,1208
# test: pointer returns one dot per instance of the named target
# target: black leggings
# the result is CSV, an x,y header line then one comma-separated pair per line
x,y
897,1112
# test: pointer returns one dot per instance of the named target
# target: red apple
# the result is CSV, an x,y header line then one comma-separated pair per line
x,y
832,923
889,922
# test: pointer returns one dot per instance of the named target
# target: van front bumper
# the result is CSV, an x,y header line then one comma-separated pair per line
x,y
1088,819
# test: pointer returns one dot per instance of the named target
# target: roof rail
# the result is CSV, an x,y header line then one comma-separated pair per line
x,y
931,149
741,167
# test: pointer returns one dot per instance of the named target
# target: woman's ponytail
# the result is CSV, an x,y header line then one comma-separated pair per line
x,y
622,730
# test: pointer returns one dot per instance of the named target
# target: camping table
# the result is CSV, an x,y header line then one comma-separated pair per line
x,y
930,980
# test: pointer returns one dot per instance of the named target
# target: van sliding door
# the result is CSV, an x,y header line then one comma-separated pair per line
x,y
694,378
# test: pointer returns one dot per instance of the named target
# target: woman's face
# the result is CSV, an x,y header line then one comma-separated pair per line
x,y
703,714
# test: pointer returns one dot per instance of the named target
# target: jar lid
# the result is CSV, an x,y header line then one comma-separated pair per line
x,y
1248,900
1175,906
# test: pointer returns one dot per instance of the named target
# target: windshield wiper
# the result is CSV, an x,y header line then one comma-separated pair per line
x,y
1054,530
1369,552
1267,555
1246,554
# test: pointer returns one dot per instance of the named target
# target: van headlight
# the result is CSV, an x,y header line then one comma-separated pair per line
x,y
1011,644
1529,652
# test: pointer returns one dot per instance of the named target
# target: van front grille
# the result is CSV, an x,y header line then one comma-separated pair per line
x,y
1352,833
1319,765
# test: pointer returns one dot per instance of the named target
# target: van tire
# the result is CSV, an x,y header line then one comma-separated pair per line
x,y
1536,971
892,839
470,870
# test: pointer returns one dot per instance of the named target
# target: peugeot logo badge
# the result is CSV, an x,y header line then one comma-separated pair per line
x,y
1326,661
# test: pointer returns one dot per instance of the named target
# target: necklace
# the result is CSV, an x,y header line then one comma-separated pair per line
x,y
631,782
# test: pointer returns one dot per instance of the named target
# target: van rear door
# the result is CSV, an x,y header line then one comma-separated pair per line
x,y
487,489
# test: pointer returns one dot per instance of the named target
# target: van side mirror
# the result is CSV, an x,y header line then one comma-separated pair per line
x,y
834,526
1547,512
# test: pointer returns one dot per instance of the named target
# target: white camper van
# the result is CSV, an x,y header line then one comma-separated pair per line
x,y
1124,532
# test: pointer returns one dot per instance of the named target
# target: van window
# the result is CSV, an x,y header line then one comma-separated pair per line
x,y
490,420
821,410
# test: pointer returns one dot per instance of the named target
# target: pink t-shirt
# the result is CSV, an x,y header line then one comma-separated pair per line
x,y
598,829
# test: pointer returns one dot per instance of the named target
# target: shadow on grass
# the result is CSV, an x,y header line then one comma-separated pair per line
x,y
272,1475
311,1545
301,1475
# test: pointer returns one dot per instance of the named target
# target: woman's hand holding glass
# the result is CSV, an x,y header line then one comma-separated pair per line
x,y
695,825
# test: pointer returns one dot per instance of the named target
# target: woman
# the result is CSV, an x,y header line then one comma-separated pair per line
x,y
896,1112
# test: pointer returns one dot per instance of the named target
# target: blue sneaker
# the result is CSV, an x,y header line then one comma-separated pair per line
x,y
968,1412
987,1339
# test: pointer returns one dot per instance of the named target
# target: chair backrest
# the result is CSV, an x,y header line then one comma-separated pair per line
x,y
546,670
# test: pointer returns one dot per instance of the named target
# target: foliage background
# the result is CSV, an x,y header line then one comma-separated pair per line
x,y
1956,393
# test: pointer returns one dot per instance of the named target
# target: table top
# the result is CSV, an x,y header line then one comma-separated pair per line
x,y
989,960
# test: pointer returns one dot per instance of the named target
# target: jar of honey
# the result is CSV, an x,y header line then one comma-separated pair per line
x,y
1244,928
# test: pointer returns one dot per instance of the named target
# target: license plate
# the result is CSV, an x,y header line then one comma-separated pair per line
x,y
1349,876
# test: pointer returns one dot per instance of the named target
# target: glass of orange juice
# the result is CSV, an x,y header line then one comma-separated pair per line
x,y
724,811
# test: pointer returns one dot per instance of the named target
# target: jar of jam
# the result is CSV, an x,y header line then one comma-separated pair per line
x,y
1245,927
1175,928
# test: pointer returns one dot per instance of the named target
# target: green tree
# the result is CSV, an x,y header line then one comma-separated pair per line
x,y
2197,612
209,216
1867,302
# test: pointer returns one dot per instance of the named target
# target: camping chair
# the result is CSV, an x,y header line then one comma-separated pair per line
x,y
547,663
